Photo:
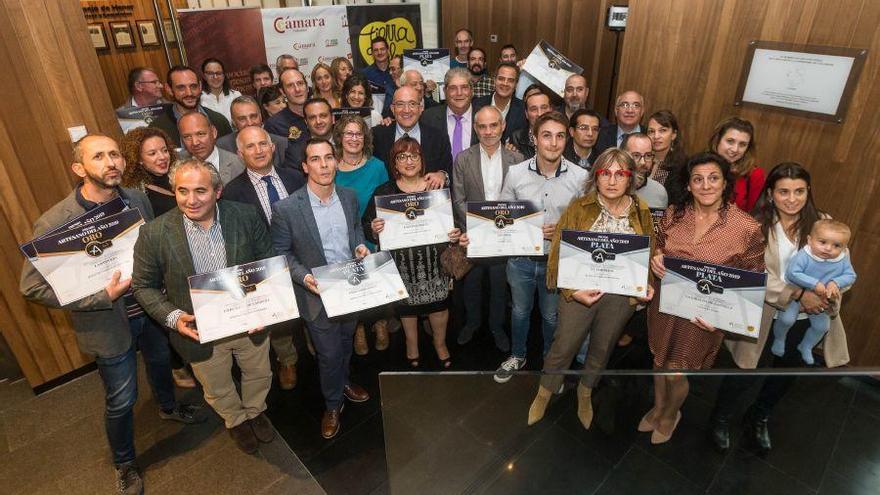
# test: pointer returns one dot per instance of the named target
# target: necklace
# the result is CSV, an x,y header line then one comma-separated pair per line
x,y
355,164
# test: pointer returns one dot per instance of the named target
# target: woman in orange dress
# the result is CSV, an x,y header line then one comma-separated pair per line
x,y
703,225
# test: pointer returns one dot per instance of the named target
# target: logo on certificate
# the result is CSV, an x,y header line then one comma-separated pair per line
x,y
502,221
601,256
412,213
708,287
96,248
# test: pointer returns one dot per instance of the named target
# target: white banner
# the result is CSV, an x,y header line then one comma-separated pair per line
x,y
311,34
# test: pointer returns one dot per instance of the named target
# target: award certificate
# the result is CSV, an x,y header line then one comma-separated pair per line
x,y
432,64
415,219
550,67
356,285
79,262
504,228
243,297
727,298
111,207
612,263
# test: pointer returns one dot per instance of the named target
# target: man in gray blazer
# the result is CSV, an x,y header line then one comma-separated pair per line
x,y
477,175
245,113
199,137
315,226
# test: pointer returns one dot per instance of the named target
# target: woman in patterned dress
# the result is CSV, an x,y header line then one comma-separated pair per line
x,y
426,281
702,225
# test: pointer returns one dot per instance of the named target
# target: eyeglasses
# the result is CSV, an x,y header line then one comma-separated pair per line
x,y
606,174
154,81
353,135
584,127
407,157
627,105
406,105
642,156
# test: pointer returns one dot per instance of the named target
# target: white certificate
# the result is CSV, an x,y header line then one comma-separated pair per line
x,y
504,228
727,298
612,263
550,67
356,285
431,63
111,207
243,297
80,261
414,219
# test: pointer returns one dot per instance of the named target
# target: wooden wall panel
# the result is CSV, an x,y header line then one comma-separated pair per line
x,y
687,56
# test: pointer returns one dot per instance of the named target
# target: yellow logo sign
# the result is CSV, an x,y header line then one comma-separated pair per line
x,y
398,31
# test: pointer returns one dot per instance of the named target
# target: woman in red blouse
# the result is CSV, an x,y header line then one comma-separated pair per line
x,y
734,139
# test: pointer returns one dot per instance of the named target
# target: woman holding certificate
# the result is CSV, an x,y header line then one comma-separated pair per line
x,y
701,225
610,206
425,280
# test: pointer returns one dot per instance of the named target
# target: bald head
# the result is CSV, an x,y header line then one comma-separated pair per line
x,y
256,149
576,93
197,134
629,109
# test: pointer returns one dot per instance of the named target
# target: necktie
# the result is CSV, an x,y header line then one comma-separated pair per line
x,y
270,189
456,136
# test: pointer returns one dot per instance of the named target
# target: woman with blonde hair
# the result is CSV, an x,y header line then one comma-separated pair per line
x,y
324,84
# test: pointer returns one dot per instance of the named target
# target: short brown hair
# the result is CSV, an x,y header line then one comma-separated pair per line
x,y
551,116
405,145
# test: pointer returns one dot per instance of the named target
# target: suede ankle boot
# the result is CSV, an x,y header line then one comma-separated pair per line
x,y
585,405
539,405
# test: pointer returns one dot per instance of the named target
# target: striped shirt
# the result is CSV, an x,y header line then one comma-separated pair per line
x,y
263,189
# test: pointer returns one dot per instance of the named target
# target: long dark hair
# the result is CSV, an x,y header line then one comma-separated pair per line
x,y
683,197
676,156
212,60
353,81
765,211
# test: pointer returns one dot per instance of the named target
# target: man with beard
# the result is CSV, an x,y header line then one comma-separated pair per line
x,y
583,126
511,108
319,121
508,54
480,79
628,111
464,40
457,115
576,93
186,90
291,122
638,145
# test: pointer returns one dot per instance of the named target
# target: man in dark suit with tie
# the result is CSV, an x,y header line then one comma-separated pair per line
x,y
262,185
512,108
315,226
407,107
628,111
246,112
456,117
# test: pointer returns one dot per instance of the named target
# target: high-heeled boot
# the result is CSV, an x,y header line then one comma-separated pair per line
x,y
539,405
585,405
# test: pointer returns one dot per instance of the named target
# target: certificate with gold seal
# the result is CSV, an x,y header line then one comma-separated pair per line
x,y
239,298
359,284
414,219
504,228
727,298
612,263
80,261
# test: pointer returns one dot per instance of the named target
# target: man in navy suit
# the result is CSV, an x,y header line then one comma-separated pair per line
x,y
456,117
628,111
512,108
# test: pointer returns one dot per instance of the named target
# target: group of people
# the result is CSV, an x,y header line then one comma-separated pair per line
x,y
224,179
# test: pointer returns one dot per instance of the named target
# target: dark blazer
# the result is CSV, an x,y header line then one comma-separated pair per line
x,y
435,147
516,115
163,260
571,155
101,325
295,234
467,182
436,117
241,188
229,143
520,139
229,167
168,123
608,138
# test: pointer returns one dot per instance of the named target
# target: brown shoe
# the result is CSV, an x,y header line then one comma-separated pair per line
x,y
330,424
355,393
183,378
381,329
286,376
360,341
244,437
263,429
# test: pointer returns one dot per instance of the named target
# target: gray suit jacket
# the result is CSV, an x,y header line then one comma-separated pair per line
x,y
295,234
229,144
101,325
467,179
231,165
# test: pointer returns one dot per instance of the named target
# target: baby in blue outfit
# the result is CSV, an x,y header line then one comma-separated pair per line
x,y
822,266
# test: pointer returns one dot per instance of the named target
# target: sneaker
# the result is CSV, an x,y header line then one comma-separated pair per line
x,y
128,480
513,363
184,413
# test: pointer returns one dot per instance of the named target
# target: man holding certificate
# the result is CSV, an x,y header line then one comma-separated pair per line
x,y
204,236
551,182
315,226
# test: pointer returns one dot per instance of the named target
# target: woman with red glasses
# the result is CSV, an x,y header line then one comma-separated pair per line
x,y
610,205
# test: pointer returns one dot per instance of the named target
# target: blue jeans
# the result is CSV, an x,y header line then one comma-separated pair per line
x,y
525,276
333,345
152,341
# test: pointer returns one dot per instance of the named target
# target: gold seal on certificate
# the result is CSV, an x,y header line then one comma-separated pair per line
x,y
80,261
356,285
727,298
504,228
239,298
612,263
414,219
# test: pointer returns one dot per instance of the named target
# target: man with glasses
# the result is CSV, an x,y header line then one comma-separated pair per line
x,y
144,88
638,145
414,79
583,127
628,111
186,91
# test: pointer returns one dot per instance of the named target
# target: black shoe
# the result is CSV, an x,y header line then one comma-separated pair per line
x,y
184,413
757,432
263,429
720,434
128,480
244,437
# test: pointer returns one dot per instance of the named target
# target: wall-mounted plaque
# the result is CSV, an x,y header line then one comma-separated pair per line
x,y
98,36
148,33
123,37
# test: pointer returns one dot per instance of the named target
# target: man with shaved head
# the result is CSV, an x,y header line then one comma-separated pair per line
x,y
198,137
245,113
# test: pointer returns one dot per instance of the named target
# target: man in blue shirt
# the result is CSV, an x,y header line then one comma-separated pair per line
x,y
377,72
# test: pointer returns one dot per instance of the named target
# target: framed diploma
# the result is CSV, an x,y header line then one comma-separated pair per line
x,y
111,207
612,263
98,36
807,80
123,37
504,228
415,219
356,285
431,63
240,298
550,67
148,32
727,298
80,261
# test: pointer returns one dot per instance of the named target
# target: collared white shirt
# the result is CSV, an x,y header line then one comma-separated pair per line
x,y
502,110
415,133
492,172
465,127
263,189
214,158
